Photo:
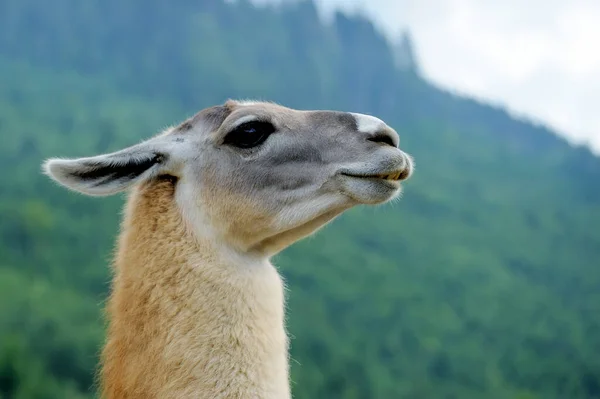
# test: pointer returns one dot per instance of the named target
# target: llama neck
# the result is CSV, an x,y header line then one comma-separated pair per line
x,y
187,320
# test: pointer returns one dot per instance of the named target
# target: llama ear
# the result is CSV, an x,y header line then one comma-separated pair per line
x,y
112,173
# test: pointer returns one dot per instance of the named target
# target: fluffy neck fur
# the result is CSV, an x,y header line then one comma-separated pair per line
x,y
187,319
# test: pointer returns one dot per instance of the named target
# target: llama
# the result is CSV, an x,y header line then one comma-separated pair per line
x,y
196,309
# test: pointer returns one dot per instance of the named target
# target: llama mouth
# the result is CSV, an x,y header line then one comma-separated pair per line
x,y
389,176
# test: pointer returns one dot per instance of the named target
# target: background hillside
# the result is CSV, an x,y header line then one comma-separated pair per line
x,y
483,282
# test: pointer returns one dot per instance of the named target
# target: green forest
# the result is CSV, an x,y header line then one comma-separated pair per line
x,y
483,282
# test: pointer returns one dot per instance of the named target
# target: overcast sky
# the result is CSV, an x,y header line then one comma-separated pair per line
x,y
540,58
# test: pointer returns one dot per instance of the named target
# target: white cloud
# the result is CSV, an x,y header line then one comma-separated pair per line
x,y
540,58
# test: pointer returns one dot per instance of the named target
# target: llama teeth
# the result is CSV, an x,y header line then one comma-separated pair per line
x,y
392,176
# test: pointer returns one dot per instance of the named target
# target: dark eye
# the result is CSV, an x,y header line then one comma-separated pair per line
x,y
249,134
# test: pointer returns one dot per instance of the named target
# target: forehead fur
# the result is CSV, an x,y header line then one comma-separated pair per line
x,y
212,116
261,108
216,115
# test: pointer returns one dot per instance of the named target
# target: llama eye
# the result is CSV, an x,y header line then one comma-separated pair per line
x,y
249,134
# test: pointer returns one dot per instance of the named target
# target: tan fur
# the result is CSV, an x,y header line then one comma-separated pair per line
x,y
186,320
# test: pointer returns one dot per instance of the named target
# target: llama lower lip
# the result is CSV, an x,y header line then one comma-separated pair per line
x,y
372,182
369,189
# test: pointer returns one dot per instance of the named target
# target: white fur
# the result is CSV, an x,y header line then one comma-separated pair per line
x,y
248,102
368,124
244,119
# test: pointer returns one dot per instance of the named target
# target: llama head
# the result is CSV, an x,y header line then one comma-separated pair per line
x,y
254,175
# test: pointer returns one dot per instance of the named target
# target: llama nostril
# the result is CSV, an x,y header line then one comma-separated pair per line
x,y
383,138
